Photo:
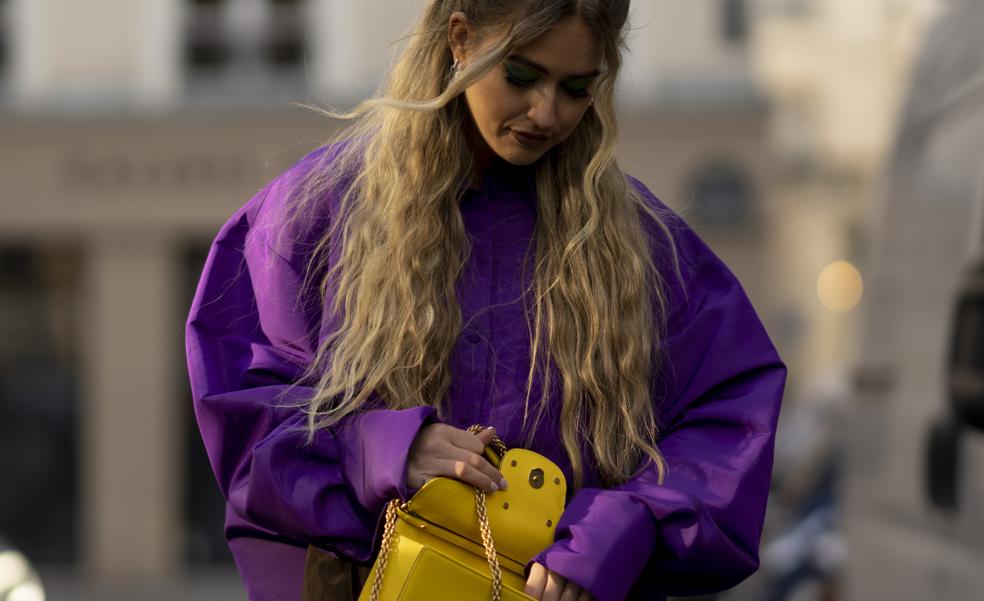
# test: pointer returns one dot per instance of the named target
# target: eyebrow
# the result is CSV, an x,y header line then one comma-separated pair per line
x,y
522,59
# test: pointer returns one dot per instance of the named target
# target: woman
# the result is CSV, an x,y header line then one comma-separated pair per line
x,y
469,252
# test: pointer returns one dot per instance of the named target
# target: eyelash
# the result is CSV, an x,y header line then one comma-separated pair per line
x,y
525,83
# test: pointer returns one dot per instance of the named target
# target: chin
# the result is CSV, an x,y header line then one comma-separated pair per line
x,y
524,161
521,157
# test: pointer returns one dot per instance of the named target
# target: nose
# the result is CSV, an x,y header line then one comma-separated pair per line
x,y
543,112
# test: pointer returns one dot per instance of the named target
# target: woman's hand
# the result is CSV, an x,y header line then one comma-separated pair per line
x,y
550,586
442,450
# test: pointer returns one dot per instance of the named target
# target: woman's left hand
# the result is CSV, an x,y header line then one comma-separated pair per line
x,y
550,586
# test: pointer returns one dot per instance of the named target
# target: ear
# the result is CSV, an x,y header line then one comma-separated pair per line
x,y
459,32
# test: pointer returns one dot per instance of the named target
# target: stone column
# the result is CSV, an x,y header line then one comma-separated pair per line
x,y
129,418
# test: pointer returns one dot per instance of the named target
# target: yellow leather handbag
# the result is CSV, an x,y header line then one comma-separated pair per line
x,y
454,541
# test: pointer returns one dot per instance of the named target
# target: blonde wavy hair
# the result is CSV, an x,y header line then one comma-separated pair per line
x,y
396,245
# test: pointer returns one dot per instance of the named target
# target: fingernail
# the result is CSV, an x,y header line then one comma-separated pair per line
x,y
503,484
493,487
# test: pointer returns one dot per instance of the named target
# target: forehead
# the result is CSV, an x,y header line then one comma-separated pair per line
x,y
566,48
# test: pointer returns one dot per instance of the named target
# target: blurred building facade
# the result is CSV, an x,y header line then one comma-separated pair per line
x,y
914,469
132,130
836,72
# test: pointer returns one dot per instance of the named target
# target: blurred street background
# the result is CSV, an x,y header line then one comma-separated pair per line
x,y
830,151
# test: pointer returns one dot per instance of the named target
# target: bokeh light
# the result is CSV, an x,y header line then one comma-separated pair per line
x,y
840,287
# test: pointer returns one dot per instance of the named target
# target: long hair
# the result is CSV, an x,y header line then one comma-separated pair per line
x,y
395,247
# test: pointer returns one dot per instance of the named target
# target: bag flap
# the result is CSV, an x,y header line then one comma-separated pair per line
x,y
522,517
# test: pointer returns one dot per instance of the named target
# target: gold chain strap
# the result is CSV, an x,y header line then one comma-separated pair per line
x,y
384,551
483,522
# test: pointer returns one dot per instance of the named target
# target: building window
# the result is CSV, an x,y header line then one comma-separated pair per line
x,y
722,195
285,47
244,43
39,400
734,21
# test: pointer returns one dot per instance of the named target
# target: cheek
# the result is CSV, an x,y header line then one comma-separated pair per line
x,y
570,117
495,103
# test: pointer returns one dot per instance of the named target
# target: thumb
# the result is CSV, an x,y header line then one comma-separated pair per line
x,y
486,435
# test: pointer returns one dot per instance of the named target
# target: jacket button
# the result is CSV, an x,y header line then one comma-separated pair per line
x,y
473,338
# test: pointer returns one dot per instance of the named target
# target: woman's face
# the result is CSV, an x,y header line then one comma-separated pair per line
x,y
535,98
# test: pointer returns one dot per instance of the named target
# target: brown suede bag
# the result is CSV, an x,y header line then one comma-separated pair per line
x,y
328,578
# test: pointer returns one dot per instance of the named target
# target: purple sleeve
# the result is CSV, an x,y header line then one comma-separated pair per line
x,y
719,393
248,340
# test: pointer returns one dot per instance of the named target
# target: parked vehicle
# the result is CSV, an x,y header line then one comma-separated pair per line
x,y
914,471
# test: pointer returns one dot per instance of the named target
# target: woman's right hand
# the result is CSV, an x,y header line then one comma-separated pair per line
x,y
442,450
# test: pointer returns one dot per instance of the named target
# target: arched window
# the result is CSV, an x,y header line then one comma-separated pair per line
x,y
721,194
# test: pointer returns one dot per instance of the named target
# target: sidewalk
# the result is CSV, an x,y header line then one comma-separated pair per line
x,y
214,584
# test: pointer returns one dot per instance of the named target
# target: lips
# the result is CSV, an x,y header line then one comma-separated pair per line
x,y
528,139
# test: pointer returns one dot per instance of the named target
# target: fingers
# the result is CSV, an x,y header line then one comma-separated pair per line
x,y
572,592
486,436
471,442
545,585
536,581
442,450
474,470
554,587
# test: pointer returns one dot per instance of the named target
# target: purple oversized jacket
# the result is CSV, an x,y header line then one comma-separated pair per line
x,y
717,399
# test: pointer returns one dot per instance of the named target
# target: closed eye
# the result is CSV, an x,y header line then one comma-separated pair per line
x,y
524,77
519,75
576,91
